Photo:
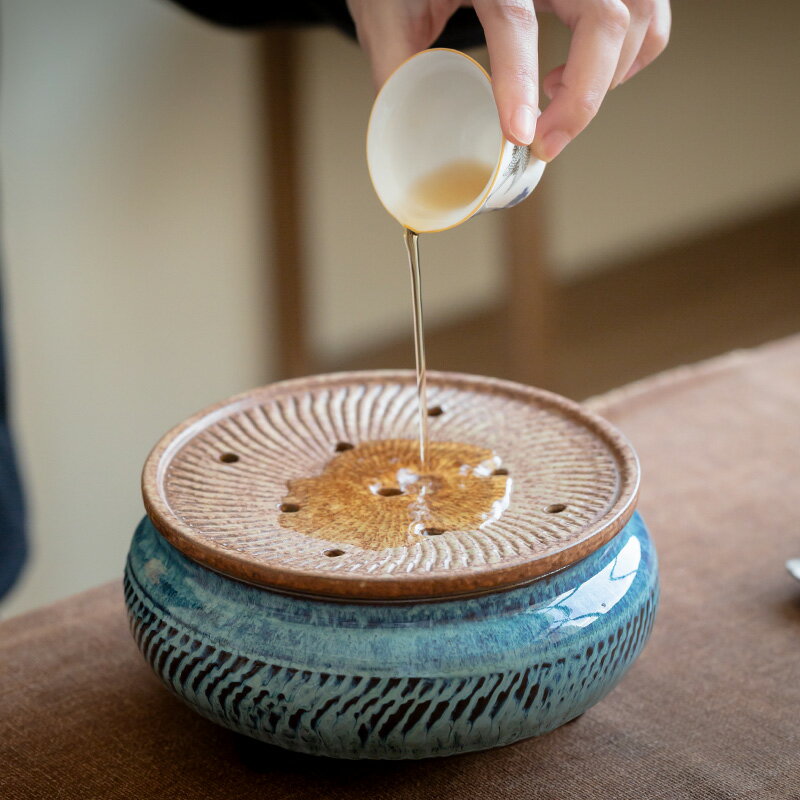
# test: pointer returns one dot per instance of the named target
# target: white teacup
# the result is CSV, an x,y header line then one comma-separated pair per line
x,y
435,118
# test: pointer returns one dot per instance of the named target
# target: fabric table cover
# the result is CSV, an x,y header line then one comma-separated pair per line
x,y
710,710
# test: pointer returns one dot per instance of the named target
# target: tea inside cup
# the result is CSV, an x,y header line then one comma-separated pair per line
x,y
434,142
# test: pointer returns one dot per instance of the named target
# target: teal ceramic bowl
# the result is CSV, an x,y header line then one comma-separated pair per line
x,y
406,665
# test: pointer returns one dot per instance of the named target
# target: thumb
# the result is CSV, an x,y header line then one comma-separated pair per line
x,y
388,54
384,35
391,31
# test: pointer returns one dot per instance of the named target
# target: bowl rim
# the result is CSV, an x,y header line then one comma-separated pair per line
x,y
348,587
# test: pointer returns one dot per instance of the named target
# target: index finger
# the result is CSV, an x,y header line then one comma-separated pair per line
x,y
598,34
511,32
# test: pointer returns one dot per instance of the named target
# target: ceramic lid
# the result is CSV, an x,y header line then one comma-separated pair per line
x,y
237,487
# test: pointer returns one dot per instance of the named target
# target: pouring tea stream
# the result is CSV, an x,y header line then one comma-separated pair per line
x,y
430,178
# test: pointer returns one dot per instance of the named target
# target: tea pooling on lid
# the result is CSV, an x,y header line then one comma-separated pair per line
x,y
375,496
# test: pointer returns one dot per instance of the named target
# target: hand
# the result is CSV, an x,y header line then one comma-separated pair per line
x,y
611,41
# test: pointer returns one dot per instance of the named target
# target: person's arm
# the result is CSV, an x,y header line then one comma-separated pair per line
x,y
461,30
247,14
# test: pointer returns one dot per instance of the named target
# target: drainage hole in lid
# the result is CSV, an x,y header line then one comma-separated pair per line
x,y
229,458
435,411
389,491
500,471
334,553
556,508
434,531
342,446
289,508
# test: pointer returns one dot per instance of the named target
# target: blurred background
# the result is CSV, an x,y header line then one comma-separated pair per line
x,y
187,214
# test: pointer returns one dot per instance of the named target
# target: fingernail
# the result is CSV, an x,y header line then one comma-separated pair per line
x,y
551,145
523,124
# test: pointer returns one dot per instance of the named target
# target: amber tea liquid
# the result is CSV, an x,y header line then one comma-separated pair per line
x,y
452,186
374,494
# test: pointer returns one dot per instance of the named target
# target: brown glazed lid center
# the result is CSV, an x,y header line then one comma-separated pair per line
x,y
234,488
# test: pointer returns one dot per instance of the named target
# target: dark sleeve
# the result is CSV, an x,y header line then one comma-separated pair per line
x,y
462,31
13,544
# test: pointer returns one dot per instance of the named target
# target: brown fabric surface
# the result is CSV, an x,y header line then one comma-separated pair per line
x,y
710,710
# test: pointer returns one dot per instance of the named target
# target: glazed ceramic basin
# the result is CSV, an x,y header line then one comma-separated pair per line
x,y
392,681
464,641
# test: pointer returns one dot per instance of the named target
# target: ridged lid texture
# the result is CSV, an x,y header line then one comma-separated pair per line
x,y
215,486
